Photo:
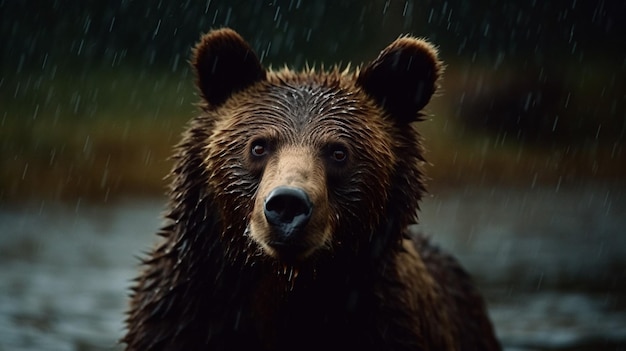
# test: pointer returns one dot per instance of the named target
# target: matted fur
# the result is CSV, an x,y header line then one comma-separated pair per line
x,y
363,282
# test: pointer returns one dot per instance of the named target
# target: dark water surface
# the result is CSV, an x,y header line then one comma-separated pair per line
x,y
551,262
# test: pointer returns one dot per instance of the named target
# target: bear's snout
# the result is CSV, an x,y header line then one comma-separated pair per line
x,y
291,218
287,210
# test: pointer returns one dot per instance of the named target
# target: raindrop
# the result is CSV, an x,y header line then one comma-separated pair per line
x,y
156,30
499,58
613,150
152,57
462,45
86,145
556,120
148,157
175,64
20,64
114,59
87,25
228,12
80,47
406,6
53,72
45,60
276,14
49,95
528,100
539,281
53,153
76,98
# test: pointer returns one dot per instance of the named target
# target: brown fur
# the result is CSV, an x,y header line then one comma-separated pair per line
x,y
358,279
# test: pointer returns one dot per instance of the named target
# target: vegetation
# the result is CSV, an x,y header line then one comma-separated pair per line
x,y
93,95
96,134
106,133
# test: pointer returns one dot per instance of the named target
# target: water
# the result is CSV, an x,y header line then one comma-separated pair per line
x,y
64,273
552,264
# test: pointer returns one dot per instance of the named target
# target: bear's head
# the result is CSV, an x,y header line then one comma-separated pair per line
x,y
300,165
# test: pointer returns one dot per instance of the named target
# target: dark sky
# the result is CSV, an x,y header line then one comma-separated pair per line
x,y
159,32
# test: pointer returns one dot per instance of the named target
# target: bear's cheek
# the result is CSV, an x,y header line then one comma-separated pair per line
x,y
258,228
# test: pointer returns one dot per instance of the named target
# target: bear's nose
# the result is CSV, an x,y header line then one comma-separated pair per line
x,y
287,209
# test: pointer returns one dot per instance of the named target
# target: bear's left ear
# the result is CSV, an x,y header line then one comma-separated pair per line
x,y
403,77
224,63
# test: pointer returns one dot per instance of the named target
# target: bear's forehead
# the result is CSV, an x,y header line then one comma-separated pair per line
x,y
304,107
310,94
308,101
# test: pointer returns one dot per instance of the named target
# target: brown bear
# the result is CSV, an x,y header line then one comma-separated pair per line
x,y
288,214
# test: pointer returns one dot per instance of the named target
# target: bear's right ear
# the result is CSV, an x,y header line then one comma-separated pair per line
x,y
224,64
403,78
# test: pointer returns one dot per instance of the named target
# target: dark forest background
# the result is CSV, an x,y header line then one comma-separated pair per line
x,y
149,33
93,94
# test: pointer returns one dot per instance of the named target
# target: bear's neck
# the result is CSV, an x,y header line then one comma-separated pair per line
x,y
328,282
321,299
256,300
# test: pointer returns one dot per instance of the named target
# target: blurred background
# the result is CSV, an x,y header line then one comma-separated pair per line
x,y
526,144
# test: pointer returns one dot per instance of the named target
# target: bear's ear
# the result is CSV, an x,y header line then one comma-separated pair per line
x,y
403,77
224,64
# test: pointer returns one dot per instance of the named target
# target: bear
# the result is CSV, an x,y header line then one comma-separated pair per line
x,y
289,206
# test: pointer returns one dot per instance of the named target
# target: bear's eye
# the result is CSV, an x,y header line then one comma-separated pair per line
x,y
258,149
338,153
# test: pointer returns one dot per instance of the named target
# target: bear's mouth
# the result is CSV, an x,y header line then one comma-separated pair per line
x,y
289,253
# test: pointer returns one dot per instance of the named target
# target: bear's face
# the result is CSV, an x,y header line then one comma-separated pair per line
x,y
300,158
304,162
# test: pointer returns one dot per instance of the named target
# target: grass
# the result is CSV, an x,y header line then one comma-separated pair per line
x,y
107,133
97,135
590,148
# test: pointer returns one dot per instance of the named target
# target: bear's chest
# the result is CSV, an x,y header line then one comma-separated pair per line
x,y
315,315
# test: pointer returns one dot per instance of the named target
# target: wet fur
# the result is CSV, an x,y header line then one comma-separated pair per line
x,y
366,283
